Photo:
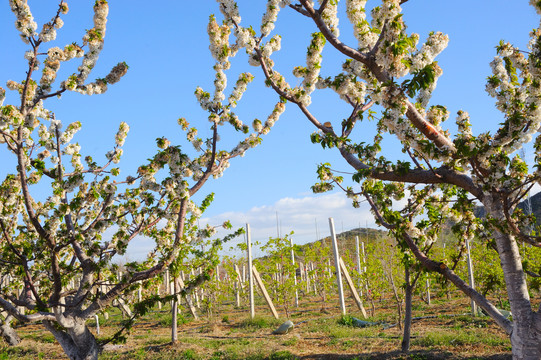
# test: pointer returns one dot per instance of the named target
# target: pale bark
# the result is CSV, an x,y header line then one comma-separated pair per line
x,y
526,333
9,334
77,341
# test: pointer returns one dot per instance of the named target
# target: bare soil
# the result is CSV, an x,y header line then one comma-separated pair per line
x,y
445,331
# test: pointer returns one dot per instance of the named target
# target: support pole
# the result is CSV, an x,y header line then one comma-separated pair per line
x,y
294,274
428,300
264,292
174,314
337,266
352,288
238,285
250,273
97,324
359,270
470,273
187,297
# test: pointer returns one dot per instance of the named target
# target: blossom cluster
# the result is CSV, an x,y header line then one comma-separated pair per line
x,y
230,10
310,73
329,16
516,99
424,95
48,31
346,86
240,87
55,55
94,39
364,34
122,133
220,83
25,21
434,45
395,45
270,16
260,129
219,41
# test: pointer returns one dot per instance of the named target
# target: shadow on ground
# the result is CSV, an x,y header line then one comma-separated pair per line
x,y
414,355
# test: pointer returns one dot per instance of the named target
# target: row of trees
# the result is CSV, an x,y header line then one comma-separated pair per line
x,y
386,78
311,279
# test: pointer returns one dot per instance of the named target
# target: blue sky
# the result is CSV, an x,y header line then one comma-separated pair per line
x,y
166,46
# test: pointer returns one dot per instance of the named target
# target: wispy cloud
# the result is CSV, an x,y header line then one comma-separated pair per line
x,y
306,216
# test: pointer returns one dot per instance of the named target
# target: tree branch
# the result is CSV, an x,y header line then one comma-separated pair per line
x,y
442,269
412,113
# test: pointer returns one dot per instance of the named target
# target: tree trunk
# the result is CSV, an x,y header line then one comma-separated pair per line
x,y
408,312
77,342
174,313
397,298
9,335
526,334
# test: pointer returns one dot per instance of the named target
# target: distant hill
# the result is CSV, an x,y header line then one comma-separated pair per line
x,y
346,239
535,205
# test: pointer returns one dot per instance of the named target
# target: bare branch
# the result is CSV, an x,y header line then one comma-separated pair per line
x,y
322,6
299,9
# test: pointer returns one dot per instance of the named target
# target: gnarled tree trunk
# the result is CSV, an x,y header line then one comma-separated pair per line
x,y
78,342
9,335
526,334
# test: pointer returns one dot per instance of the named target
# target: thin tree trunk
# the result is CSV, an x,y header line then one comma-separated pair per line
x,y
174,313
408,311
396,297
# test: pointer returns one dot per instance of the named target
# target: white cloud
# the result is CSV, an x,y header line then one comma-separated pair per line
x,y
307,216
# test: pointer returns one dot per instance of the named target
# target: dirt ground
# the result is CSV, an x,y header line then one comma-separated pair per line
x,y
445,331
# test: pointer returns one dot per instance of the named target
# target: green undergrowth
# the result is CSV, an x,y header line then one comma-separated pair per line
x,y
260,322
458,337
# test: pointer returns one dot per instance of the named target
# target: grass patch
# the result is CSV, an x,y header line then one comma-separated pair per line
x,y
17,352
292,341
260,322
460,338
282,355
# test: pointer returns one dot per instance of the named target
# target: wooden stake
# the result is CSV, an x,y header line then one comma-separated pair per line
x,y
337,265
352,288
307,277
188,299
97,324
294,274
250,273
472,280
358,258
264,292
428,291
